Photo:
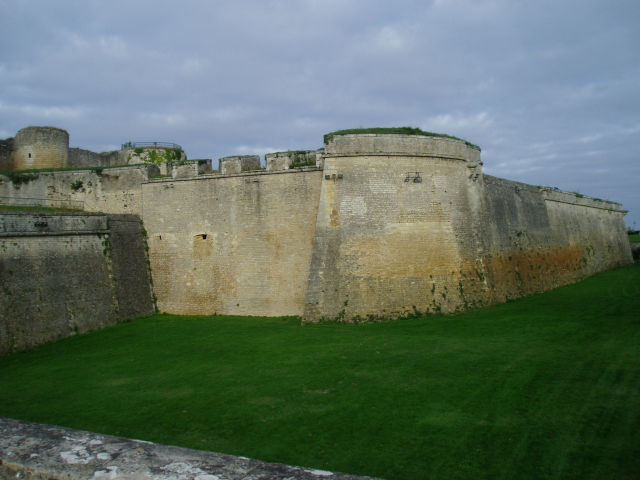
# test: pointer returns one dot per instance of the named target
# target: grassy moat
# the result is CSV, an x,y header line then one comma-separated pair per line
x,y
543,387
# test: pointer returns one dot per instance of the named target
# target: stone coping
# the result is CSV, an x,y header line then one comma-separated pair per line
x,y
246,173
47,452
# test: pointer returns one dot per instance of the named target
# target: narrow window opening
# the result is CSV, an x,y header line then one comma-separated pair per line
x,y
29,155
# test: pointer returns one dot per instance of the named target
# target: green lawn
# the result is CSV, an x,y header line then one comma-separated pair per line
x,y
635,237
544,387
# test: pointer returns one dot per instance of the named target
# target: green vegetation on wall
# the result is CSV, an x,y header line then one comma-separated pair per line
x,y
159,156
19,177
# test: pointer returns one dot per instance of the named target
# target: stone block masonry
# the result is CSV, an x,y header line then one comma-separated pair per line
x,y
239,163
409,224
66,274
390,218
236,244
31,450
40,147
108,190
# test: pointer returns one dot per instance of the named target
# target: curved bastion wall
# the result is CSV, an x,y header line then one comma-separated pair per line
x,y
410,224
40,147
392,230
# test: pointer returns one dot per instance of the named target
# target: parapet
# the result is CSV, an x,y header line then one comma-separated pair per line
x,y
293,159
364,144
239,164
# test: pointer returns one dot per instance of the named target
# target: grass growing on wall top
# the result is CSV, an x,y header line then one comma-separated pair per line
x,y
393,130
34,209
543,387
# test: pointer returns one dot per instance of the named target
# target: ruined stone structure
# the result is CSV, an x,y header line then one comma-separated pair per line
x,y
372,226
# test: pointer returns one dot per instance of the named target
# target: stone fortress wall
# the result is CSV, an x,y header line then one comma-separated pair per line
x,y
389,225
108,190
373,225
236,244
68,273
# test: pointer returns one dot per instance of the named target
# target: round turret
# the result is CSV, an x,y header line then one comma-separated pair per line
x,y
41,147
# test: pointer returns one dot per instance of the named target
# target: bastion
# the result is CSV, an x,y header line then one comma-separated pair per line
x,y
386,225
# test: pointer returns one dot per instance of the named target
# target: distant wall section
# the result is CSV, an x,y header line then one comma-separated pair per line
x,y
40,147
536,239
79,158
108,190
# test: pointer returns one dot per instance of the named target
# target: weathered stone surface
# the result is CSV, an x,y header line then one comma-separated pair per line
x,y
290,159
130,266
410,224
235,244
31,450
80,158
112,190
239,164
40,147
68,273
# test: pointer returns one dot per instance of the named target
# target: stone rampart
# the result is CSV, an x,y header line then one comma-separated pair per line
x,y
40,147
130,266
236,244
391,213
80,158
385,225
108,190
64,274
536,239
410,224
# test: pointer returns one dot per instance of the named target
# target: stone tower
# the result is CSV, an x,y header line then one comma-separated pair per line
x,y
40,147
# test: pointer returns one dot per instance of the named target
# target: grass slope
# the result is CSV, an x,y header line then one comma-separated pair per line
x,y
544,387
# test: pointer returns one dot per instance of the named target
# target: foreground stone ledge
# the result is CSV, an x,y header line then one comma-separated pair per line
x,y
46,452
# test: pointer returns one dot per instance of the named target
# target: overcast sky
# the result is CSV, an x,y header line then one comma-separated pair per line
x,y
549,89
